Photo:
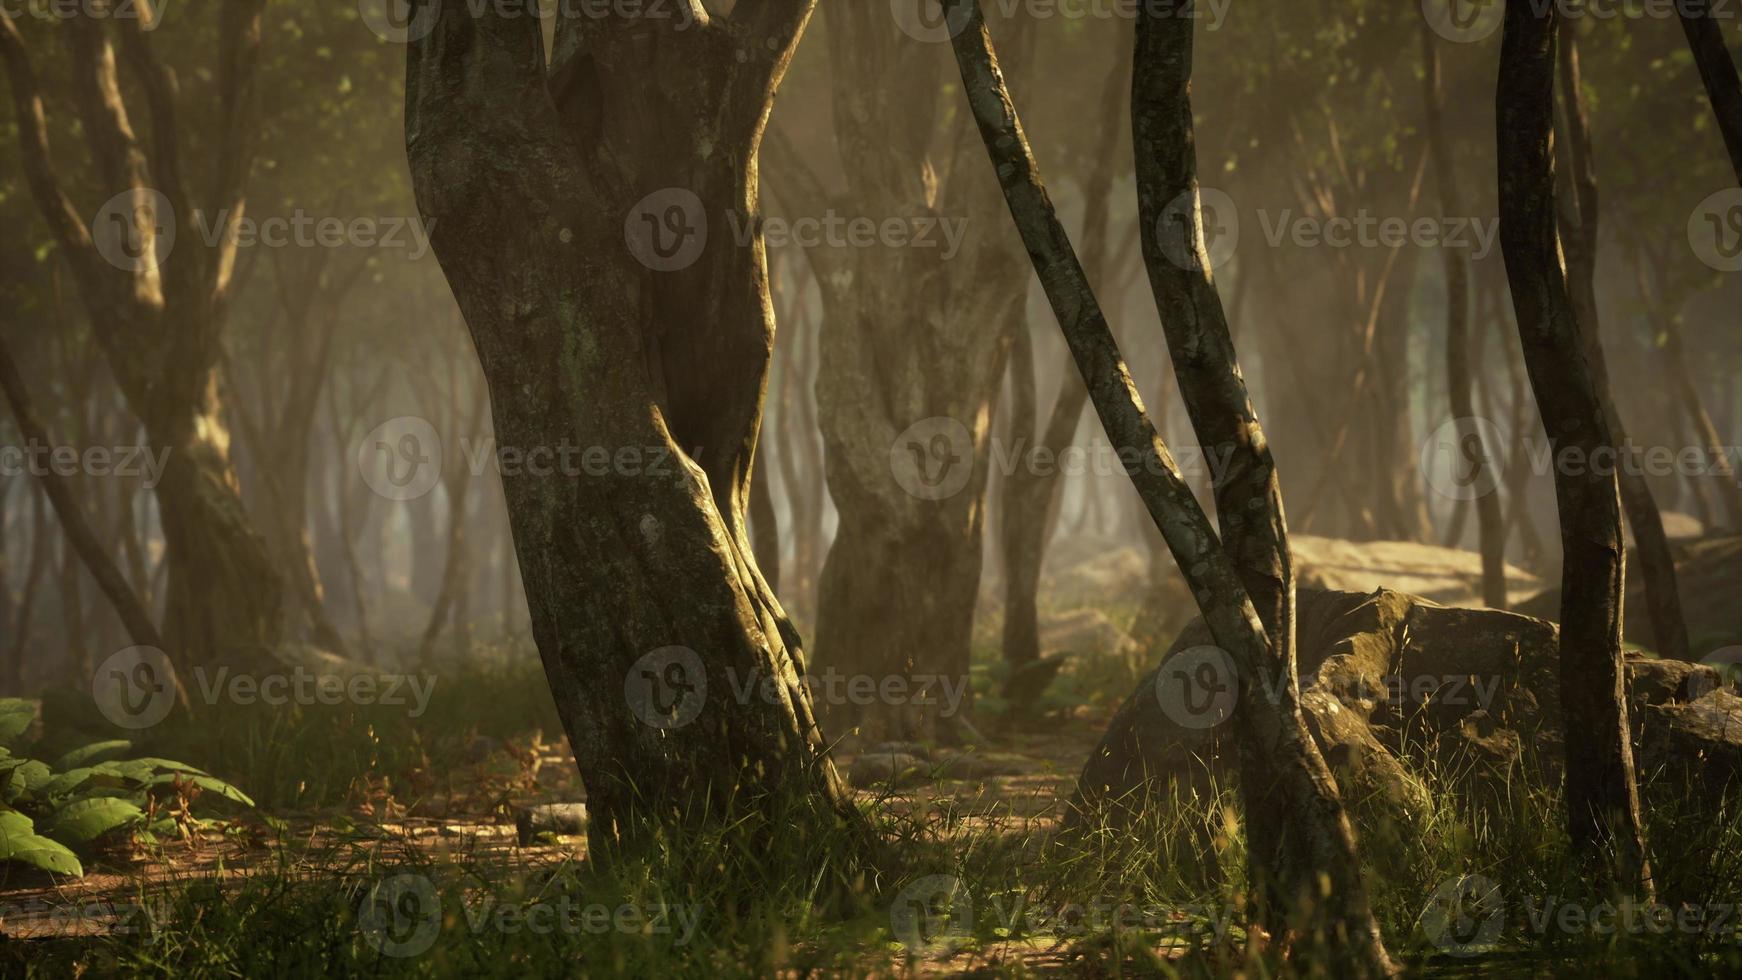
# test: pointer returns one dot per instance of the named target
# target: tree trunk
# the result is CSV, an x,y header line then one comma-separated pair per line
x,y
1705,35
1601,793
1489,521
913,347
1579,216
1031,493
159,315
1246,588
641,580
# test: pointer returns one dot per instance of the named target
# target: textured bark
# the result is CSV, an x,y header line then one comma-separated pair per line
x,y
1279,762
160,325
529,177
764,526
1031,494
1579,217
1705,35
1489,521
1602,795
907,338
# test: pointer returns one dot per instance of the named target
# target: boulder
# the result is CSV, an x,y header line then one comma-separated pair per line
x,y
1393,684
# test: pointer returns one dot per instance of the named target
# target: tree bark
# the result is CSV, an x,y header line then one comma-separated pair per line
x,y
1490,527
1718,71
1579,217
1280,763
642,582
1602,795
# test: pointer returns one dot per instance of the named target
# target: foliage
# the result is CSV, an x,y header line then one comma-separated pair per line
x,y
48,811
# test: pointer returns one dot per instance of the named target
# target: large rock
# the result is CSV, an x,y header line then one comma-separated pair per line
x,y
1393,684
1448,576
1706,571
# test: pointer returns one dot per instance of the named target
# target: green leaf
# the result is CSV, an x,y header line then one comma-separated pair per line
x,y
92,818
92,753
167,765
16,714
13,823
26,779
40,852
66,782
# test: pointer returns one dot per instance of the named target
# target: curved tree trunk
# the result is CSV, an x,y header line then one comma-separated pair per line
x,y
159,316
1602,795
1245,588
1705,35
647,606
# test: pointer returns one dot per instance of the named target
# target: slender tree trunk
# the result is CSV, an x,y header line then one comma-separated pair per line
x,y
1246,588
1489,522
1579,216
1705,35
1601,793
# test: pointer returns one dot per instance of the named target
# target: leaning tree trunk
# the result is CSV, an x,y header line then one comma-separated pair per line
x,y
1602,795
1705,35
159,313
1490,527
913,345
1579,216
1246,588
647,606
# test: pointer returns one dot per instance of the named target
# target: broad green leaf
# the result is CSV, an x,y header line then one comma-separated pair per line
x,y
88,819
40,852
26,780
93,753
16,714
12,823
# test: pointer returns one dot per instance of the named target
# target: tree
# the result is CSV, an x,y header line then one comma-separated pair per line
x,y
1705,36
159,313
641,581
1244,583
1489,521
1602,795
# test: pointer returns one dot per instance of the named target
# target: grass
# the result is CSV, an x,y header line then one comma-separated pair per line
x,y
964,884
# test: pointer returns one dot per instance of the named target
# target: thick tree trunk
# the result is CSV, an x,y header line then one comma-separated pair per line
x,y
913,347
159,317
1246,589
647,606
1602,795
1489,521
